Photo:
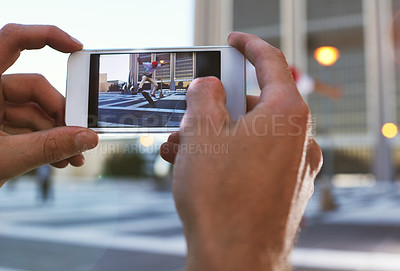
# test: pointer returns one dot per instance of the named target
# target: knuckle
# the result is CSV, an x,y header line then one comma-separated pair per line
x,y
299,118
264,53
303,109
50,29
251,41
298,107
38,78
277,52
51,149
265,50
9,29
249,37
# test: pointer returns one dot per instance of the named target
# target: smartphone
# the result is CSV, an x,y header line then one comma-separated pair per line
x,y
144,90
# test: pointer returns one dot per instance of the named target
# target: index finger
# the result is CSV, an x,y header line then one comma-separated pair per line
x,y
15,38
26,88
273,72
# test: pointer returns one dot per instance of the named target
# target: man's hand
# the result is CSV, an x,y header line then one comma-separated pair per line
x,y
30,108
241,188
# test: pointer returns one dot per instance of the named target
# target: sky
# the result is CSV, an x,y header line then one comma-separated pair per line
x,y
100,24
115,66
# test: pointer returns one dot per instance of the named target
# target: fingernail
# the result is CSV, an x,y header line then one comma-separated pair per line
x,y
85,141
77,41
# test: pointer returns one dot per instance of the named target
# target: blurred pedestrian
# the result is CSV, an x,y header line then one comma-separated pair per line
x,y
43,175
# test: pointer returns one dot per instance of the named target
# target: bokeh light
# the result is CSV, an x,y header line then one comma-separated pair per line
x,y
390,130
326,55
147,140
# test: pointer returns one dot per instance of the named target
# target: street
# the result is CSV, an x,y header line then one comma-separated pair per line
x,y
123,226
134,110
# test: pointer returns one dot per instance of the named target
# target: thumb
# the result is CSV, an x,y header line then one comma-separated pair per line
x,y
206,104
22,153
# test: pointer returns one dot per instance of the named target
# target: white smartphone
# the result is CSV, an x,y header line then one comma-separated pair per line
x,y
144,90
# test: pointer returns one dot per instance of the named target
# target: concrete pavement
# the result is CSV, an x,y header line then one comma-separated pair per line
x,y
129,226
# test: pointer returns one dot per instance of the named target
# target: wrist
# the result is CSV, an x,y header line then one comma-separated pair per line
x,y
231,252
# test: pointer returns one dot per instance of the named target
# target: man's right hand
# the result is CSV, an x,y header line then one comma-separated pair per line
x,y
241,188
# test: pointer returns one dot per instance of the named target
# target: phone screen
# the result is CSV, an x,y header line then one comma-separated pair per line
x,y
145,89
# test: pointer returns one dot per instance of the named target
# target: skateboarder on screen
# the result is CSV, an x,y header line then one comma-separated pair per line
x,y
149,68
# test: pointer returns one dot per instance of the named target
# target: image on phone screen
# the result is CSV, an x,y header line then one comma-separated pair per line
x,y
145,89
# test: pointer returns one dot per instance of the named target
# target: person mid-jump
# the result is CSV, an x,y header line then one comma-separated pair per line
x,y
149,68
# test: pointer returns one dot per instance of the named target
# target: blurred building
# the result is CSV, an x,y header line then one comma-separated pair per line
x,y
349,130
103,84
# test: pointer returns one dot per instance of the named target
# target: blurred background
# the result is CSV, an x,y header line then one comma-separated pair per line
x,y
117,211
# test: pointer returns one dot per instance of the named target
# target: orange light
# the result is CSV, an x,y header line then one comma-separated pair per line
x,y
146,140
390,130
326,55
